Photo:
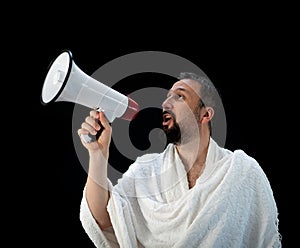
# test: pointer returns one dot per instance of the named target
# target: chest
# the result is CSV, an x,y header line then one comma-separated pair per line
x,y
193,174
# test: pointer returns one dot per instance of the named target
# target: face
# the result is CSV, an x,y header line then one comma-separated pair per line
x,y
180,110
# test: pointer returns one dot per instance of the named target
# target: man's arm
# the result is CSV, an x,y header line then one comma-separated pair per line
x,y
97,193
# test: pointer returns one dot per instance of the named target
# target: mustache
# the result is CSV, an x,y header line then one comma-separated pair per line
x,y
170,113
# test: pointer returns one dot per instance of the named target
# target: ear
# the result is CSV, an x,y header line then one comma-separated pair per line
x,y
208,115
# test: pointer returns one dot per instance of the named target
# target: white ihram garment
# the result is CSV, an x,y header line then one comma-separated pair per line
x,y
231,205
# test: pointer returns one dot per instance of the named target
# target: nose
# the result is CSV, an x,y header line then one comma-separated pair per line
x,y
167,104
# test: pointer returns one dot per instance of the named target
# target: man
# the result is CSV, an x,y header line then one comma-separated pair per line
x,y
193,194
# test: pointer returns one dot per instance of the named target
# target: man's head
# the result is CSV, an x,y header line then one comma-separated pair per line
x,y
190,94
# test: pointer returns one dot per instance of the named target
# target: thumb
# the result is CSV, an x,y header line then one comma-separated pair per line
x,y
105,136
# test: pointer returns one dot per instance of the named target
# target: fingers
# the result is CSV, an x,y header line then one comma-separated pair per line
x,y
90,124
87,128
94,123
82,131
94,114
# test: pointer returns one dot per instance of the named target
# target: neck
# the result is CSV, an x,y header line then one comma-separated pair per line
x,y
193,153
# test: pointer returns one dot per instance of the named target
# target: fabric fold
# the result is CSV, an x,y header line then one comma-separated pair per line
x,y
231,204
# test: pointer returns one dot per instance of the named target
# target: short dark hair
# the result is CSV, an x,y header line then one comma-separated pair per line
x,y
208,93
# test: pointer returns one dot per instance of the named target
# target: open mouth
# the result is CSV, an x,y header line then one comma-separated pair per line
x,y
167,119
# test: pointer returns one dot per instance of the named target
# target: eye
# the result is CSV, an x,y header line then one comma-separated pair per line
x,y
179,97
176,97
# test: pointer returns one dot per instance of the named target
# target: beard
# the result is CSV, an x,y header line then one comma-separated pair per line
x,y
173,133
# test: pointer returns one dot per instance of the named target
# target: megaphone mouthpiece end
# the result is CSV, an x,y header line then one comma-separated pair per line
x,y
131,111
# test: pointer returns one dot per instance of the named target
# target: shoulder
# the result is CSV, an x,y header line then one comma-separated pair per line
x,y
149,163
248,166
242,157
148,158
146,164
152,157
244,161
252,177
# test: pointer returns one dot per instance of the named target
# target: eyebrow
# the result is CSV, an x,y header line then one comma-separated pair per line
x,y
178,89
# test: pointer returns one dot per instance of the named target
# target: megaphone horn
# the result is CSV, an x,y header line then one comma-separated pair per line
x,y
65,81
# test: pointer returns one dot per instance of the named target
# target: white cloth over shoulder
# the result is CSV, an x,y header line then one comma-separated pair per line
x,y
231,205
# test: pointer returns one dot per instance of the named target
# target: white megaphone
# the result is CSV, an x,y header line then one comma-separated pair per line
x,y
66,82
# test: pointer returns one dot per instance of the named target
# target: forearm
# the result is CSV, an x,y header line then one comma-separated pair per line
x,y
97,193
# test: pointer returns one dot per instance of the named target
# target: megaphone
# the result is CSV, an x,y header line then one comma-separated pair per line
x,y
65,81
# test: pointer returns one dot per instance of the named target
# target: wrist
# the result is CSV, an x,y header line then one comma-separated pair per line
x,y
98,154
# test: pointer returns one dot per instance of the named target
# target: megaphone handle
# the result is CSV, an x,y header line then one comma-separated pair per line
x,y
88,138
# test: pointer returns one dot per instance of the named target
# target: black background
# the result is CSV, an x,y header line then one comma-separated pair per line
x,y
248,63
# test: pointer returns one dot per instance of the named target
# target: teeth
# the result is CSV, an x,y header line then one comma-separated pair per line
x,y
167,116
166,119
